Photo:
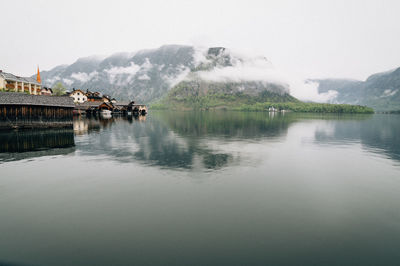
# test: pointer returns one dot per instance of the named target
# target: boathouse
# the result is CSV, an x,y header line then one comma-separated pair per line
x,y
20,110
91,107
137,108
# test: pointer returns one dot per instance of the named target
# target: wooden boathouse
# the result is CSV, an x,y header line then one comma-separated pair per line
x,y
20,110
122,108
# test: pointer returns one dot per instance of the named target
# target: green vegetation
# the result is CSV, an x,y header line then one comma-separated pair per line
x,y
200,95
309,108
206,104
59,89
243,102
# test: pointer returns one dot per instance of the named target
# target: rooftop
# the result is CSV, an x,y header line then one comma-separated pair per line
x,y
18,98
12,77
87,105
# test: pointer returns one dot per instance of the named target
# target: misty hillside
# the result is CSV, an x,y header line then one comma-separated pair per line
x,y
201,94
148,75
380,91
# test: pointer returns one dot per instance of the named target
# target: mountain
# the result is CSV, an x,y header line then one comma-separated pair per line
x,y
148,75
223,79
380,91
144,75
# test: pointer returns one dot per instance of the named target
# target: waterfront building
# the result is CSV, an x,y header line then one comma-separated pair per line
x,y
46,91
20,110
12,83
78,96
94,96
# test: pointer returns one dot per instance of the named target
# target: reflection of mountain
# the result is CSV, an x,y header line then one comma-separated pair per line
x,y
379,133
243,125
181,140
18,145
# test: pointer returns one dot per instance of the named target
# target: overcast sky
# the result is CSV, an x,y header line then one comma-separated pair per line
x,y
310,38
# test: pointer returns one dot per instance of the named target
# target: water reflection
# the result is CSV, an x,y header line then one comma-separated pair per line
x,y
184,140
249,189
378,134
229,125
202,140
18,145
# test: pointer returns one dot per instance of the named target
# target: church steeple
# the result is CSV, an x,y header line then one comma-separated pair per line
x,y
38,76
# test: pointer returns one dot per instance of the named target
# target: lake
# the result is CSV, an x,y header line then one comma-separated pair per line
x,y
206,188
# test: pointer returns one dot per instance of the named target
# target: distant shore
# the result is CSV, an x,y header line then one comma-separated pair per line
x,y
299,107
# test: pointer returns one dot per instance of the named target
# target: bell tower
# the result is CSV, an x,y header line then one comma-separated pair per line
x,y
38,76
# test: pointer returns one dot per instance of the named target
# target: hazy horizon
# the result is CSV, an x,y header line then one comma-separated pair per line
x,y
310,39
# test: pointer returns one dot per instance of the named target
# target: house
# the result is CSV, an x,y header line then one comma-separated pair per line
x,y
106,106
46,91
121,107
140,109
86,107
78,96
106,98
12,83
94,96
92,107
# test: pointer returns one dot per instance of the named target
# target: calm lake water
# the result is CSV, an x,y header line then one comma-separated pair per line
x,y
211,188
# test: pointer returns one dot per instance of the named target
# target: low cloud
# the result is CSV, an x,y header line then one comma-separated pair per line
x,y
115,73
84,77
308,91
173,80
68,82
144,77
146,65
257,68
389,93
53,80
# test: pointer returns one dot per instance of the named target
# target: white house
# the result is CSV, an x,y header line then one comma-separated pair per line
x,y
78,96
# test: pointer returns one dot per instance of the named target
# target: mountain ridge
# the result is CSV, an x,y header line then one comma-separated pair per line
x,y
380,90
148,75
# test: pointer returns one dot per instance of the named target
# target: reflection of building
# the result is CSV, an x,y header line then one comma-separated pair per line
x,y
18,145
85,126
80,127
12,83
78,96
